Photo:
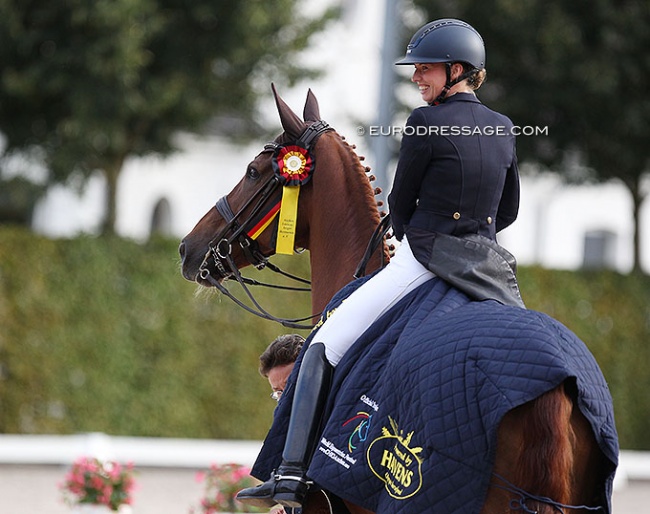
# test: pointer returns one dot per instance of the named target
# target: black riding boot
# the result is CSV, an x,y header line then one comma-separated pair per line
x,y
288,486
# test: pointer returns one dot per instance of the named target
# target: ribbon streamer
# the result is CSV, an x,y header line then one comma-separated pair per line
x,y
288,220
293,165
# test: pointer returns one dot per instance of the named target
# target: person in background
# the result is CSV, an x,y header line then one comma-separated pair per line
x,y
276,363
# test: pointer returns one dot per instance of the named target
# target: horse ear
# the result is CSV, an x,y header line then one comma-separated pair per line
x,y
291,123
311,111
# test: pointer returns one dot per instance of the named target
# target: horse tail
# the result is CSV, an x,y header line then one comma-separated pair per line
x,y
546,462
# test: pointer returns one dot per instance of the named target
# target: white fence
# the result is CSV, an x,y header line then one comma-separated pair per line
x,y
189,453
142,451
32,465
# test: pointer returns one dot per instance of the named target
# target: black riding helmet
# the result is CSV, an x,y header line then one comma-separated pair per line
x,y
446,41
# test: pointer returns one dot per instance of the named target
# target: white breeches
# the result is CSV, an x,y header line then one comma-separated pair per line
x,y
376,296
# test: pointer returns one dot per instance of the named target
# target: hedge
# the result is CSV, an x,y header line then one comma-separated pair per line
x,y
103,334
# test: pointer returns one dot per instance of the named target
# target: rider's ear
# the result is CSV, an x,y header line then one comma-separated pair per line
x,y
291,123
311,111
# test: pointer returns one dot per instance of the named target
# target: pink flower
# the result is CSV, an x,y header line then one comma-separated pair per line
x,y
105,483
240,473
222,482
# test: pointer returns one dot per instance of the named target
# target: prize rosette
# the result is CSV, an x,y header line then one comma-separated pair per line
x,y
293,165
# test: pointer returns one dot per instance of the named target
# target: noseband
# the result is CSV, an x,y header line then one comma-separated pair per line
x,y
265,206
236,231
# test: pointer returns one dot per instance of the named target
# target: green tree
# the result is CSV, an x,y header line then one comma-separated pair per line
x,y
85,84
578,68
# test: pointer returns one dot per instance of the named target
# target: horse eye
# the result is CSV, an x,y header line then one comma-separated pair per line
x,y
252,173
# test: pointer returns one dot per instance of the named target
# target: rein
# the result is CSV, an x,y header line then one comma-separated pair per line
x,y
245,233
259,310
221,252
376,239
524,496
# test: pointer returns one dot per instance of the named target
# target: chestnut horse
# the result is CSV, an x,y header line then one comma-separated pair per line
x,y
545,447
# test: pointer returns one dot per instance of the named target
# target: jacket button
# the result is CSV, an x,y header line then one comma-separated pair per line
x,y
457,215
489,220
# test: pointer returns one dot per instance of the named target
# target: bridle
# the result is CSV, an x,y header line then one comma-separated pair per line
x,y
243,231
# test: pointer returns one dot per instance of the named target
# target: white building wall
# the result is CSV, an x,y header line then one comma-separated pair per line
x,y
555,217
191,181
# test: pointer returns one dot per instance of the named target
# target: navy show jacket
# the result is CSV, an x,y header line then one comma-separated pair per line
x,y
457,170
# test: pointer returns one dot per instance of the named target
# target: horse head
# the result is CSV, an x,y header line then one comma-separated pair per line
x,y
242,228
205,249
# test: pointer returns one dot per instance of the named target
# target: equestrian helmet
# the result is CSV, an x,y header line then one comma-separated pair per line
x,y
446,40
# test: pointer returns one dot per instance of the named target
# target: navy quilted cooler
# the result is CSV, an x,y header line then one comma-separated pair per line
x,y
416,402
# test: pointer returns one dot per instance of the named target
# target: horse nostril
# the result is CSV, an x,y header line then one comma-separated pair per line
x,y
181,250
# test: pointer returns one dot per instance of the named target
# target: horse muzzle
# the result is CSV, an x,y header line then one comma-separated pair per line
x,y
189,266
205,268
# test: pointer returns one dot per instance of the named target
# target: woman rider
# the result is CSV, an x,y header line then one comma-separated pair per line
x,y
455,187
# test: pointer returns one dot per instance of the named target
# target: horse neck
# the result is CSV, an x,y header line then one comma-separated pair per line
x,y
343,215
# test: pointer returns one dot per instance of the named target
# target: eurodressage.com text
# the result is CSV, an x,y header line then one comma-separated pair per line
x,y
453,130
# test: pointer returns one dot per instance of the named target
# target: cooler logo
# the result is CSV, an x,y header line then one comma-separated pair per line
x,y
360,432
392,459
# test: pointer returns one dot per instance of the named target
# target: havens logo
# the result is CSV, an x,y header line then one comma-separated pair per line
x,y
394,462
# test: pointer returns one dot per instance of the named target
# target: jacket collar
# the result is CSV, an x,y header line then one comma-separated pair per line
x,y
462,97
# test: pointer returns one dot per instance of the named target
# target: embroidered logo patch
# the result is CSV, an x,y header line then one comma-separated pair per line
x,y
392,459
360,432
